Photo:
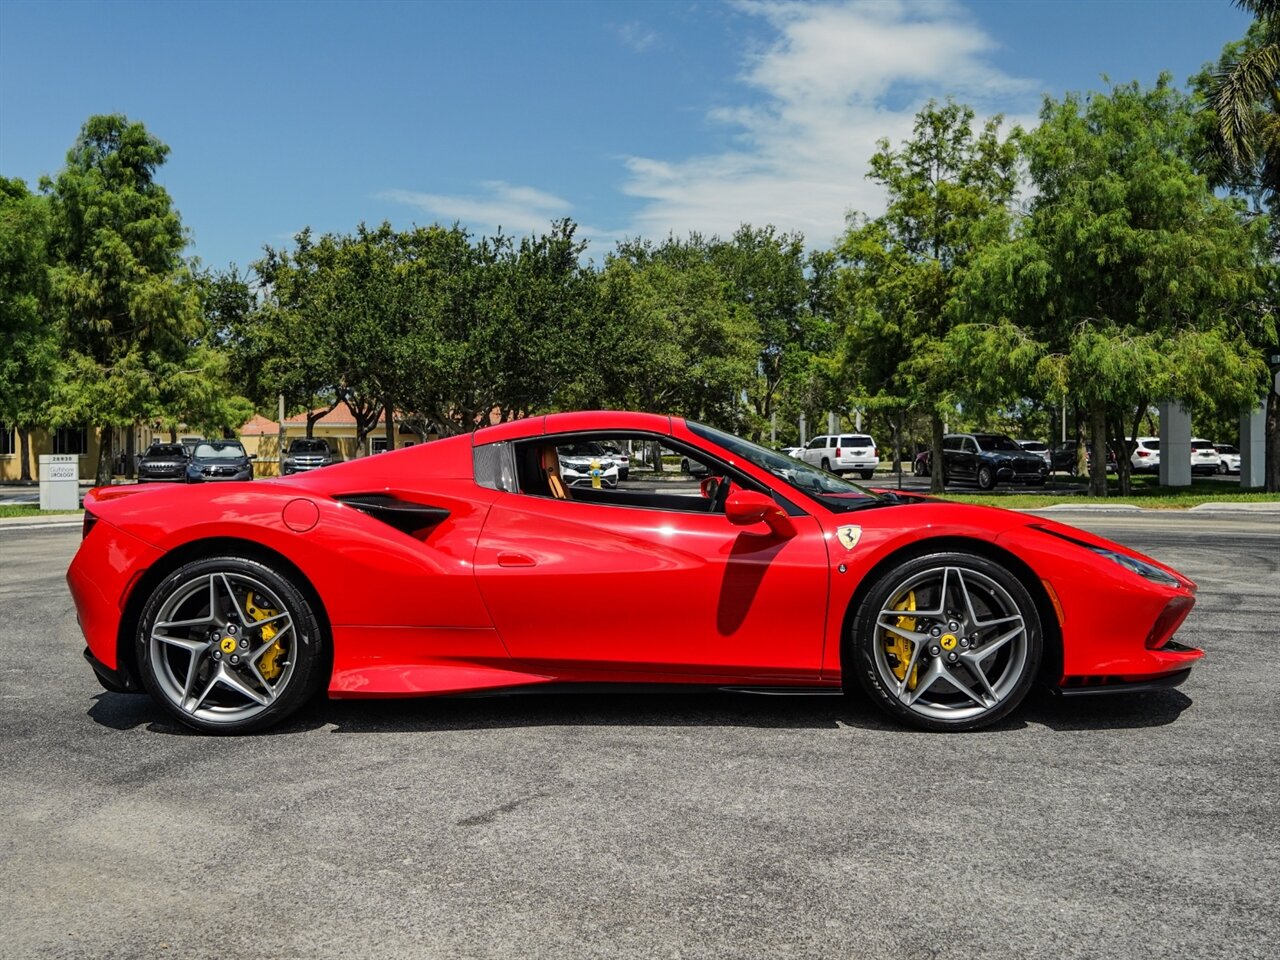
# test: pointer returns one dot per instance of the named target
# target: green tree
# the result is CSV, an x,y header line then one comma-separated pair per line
x,y
283,345
1240,107
28,336
1126,269
949,190
128,302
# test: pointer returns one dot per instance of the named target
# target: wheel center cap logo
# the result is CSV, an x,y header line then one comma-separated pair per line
x,y
948,641
228,645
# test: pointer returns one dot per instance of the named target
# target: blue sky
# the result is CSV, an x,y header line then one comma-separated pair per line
x,y
631,118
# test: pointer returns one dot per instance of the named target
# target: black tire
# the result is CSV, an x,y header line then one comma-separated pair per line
x,y
1012,666
1222,467
826,465
173,658
868,474
986,478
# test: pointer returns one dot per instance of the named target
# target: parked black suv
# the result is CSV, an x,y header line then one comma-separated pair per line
x,y
163,461
990,458
307,453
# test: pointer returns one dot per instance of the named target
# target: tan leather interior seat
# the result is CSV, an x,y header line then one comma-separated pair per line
x,y
551,466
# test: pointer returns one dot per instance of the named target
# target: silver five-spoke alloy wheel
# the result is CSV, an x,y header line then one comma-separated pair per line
x,y
227,645
950,641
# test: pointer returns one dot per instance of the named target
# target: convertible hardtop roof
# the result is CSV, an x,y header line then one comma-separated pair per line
x,y
620,420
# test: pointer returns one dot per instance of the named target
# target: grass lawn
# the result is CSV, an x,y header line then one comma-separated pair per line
x,y
1146,492
29,510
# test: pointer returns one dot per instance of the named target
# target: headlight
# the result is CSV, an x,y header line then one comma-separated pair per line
x,y
1147,571
1140,567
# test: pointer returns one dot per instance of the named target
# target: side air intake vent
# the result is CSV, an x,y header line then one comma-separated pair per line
x,y
402,514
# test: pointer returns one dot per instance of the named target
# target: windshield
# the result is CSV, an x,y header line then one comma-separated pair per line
x,y
224,450
1201,444
309,446
165,450
1035,446
992,442
829,490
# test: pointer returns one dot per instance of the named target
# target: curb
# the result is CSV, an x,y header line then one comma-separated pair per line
x,y
1088,508
33,523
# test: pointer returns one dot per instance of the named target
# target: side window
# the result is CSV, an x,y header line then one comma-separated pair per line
x,y
620,470
952,443
968,445
817,443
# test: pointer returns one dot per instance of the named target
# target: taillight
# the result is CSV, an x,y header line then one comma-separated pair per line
x,y
837,453
875,452
89,521
1143,453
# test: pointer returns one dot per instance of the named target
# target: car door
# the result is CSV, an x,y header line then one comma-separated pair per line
x,y
591,586
952,456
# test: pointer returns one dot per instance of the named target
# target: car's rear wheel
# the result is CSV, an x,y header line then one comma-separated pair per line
x,y
826,464
229,645
868,474
947,641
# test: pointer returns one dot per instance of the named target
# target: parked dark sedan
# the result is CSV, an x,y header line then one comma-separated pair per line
x,y
307,453
219,460
990,458
163,461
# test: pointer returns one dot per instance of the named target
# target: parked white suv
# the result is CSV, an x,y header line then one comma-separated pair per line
x,y
1144,453
1228,458
843,453
1204,458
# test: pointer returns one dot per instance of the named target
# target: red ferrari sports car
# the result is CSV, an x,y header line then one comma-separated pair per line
x,y
470,564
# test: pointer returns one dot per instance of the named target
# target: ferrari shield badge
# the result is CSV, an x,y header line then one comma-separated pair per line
x,y
849,536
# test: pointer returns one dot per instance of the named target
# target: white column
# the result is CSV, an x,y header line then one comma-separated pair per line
x,y
1253,447
1175,445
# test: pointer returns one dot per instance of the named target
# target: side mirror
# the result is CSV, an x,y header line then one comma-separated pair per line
x,y
709,487
746,507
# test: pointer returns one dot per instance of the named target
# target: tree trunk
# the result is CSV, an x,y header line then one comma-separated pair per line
x,y
936,464
1098,449
391,425
105,438
24,451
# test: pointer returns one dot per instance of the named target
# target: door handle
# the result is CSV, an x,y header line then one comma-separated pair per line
x,y
514,560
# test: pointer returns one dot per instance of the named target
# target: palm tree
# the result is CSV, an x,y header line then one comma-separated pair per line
x,y
1245,100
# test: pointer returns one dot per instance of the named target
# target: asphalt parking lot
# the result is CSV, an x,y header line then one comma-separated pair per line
x,y
700,825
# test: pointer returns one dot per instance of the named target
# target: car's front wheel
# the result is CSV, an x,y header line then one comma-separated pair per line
x,y
229,645
986,478
946,641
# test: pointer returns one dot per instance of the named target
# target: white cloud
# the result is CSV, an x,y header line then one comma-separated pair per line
x,y
838,77
635,35
516,210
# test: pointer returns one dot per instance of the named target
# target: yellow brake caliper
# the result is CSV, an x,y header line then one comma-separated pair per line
x,y
267,665
899,647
